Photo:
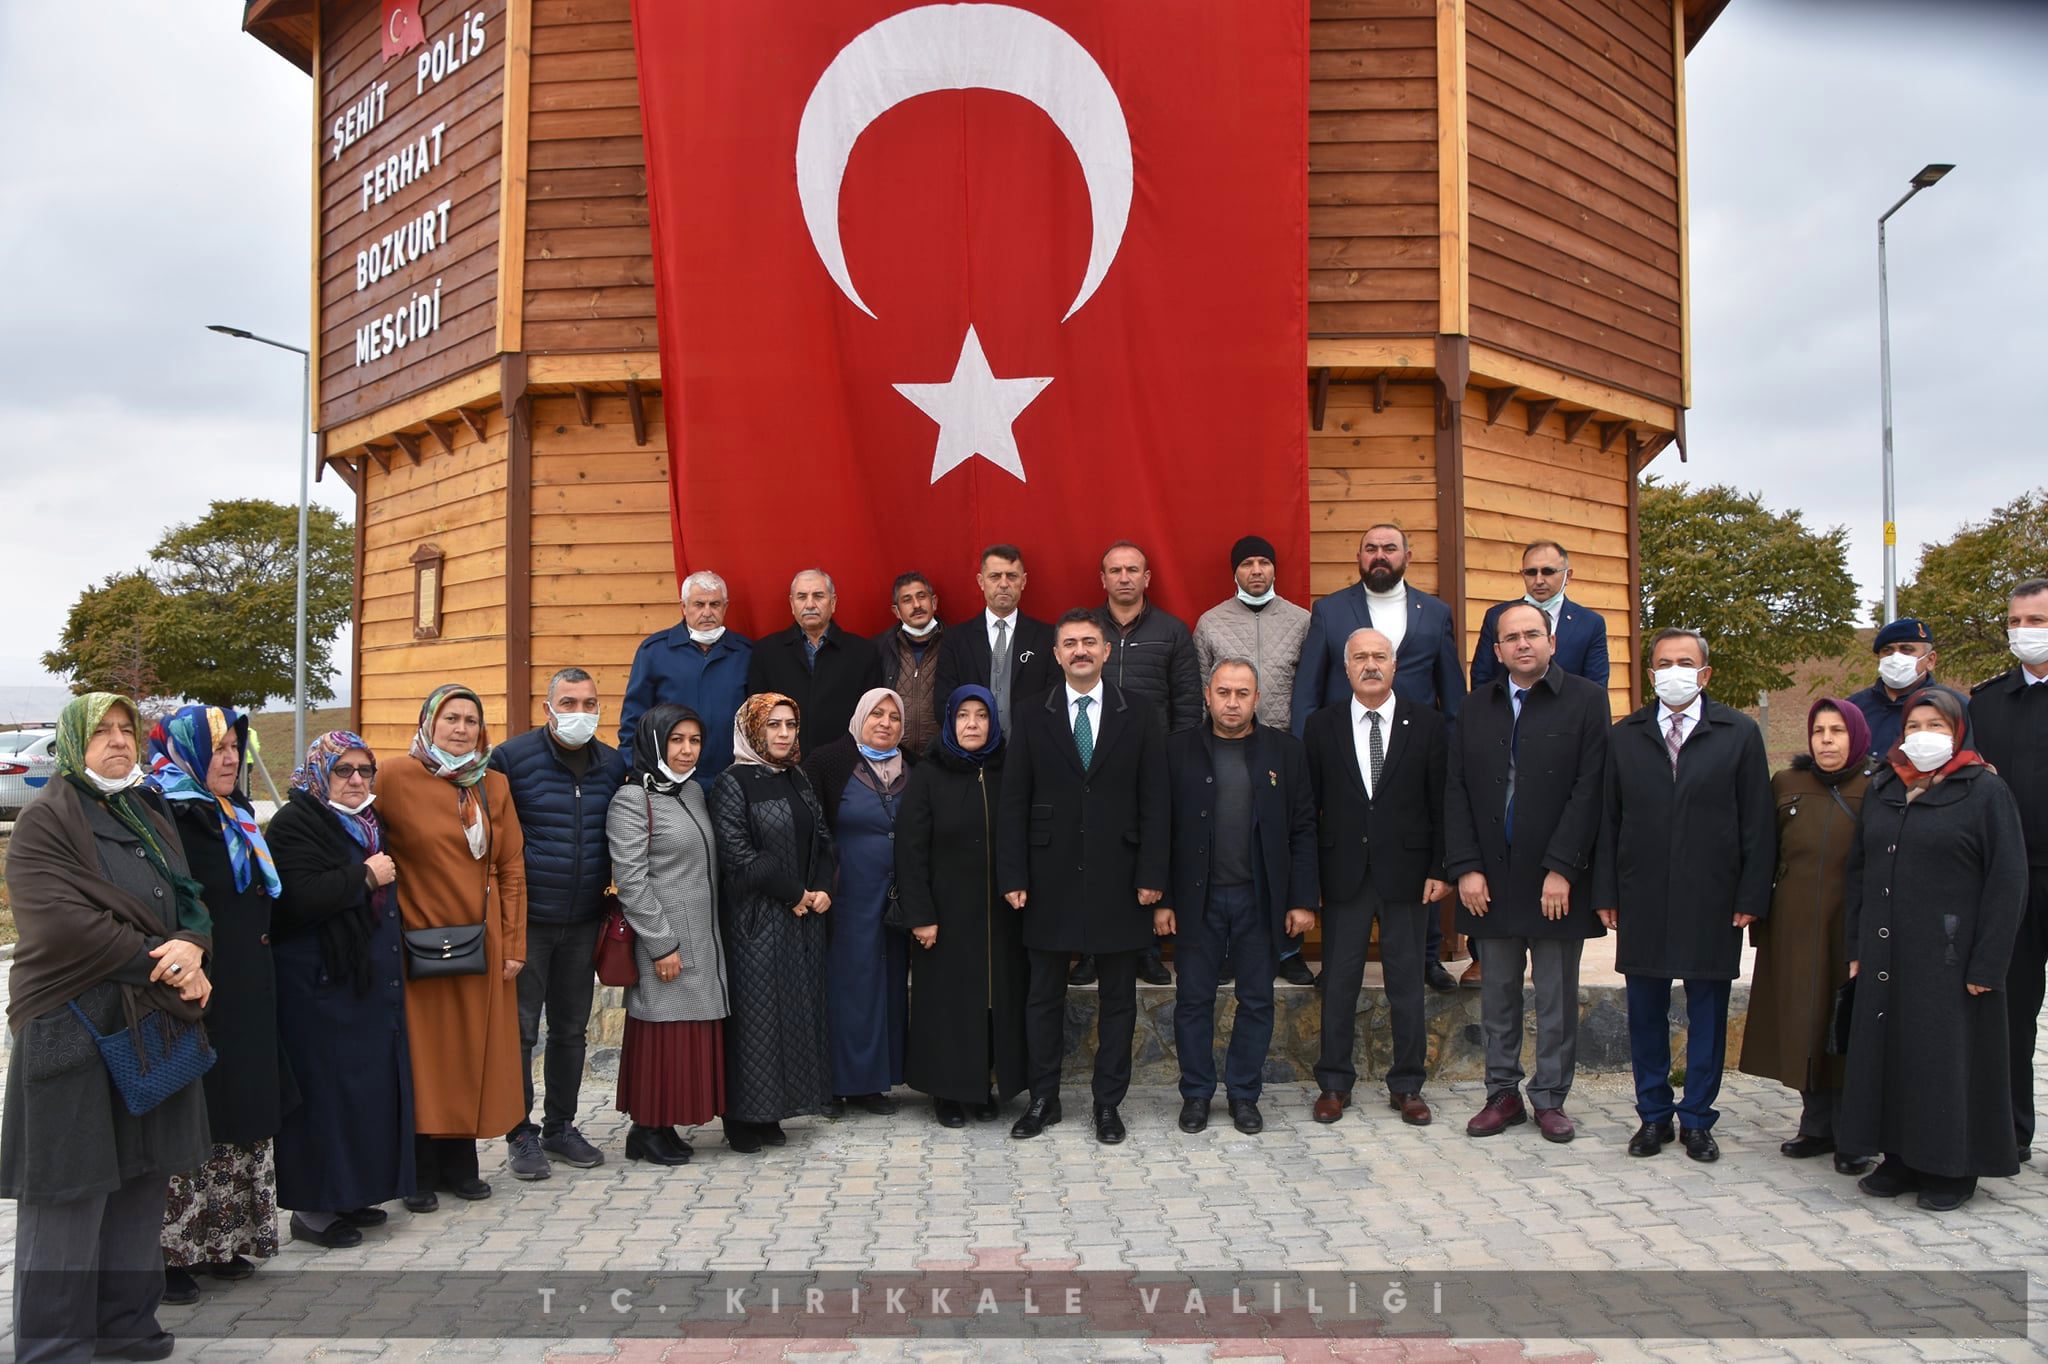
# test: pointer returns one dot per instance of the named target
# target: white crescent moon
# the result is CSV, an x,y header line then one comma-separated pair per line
x,y
965,47
391,27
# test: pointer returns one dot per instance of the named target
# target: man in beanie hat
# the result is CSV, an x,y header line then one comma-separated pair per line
x,y
1905,667
1257,623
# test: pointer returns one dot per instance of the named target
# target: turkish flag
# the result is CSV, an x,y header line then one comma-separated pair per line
x,y
403,29
934,277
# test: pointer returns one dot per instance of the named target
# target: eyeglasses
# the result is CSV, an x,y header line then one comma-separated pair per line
x,y
1541,572
343,771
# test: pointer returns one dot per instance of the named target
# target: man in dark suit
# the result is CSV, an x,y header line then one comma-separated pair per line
x,y
1244,877
1688,849
1082,853
1522,819
1001,649
1376,765
1578,632
814,663
1426,669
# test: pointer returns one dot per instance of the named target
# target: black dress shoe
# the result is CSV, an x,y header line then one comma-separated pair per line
x,y
2026,1152
1436,978
338,1234
743,1137
1803,1147
180,1288
469,1190
771,1134
1295,971
1041,1114
1699,1143
1890,1179
1244,1114
235,1267
422,1202
158,1346
949,1112
1152,970
364,1217
835,1107
1851,1165
1650,1138
1948,1196
1194,1115
1083,972
988,1110
881,1105
657,1146
1109,1128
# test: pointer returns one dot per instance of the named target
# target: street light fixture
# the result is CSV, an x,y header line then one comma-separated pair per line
x,y
1927,178
305,493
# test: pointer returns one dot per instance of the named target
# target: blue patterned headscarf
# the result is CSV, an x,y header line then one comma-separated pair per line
x,y
181,749
948,737
315,779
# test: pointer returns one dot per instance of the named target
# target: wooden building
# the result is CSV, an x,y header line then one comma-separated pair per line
x,y
1497,316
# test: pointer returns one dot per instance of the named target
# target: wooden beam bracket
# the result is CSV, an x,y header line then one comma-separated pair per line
x,y
586,404
409,443
477,422
347,472
444,435
1609,432
380,453
1497,400
1379,391
636,403
1538,410
1575,422
1453,377
1321,399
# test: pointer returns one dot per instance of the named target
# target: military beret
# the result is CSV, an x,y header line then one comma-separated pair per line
x,y
1904,630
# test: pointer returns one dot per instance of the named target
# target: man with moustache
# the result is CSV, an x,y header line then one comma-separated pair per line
x,y
1002,649
698,663
1376,766
910,658
1243,878
1578,632
1522,819
815,663
1082,853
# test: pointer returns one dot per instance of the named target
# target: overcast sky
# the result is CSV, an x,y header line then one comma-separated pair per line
x,y
156,181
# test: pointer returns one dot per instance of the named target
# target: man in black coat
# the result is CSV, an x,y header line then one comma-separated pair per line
x,y
1528,765
909,654
1688,849
971,648
1082,852
1376,765
814,663
2009,725
1243,879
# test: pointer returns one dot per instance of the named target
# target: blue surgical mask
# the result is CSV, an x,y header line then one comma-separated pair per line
x,y
449,761
876,755
1249,600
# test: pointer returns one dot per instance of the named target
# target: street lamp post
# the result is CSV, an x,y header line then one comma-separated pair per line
x,y
1924,180
305,494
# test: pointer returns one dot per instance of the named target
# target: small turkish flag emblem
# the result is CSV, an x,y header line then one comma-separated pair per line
x,y
403,30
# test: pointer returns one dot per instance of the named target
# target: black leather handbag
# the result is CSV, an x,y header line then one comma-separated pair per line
x,y
431,953
1840,1018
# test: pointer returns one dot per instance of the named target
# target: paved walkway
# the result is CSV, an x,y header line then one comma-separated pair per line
x,y
1368,1200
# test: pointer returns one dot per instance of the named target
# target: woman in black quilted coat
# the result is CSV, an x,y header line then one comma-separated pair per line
x,y
775,872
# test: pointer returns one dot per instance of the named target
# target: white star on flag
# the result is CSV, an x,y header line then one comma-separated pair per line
x,y
974,410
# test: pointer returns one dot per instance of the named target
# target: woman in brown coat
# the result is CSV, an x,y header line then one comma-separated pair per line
x,y
1801,959
450,828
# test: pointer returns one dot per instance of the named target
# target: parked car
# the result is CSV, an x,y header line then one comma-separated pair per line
x,y
28,759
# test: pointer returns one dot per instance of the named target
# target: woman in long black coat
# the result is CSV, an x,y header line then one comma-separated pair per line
x,y
968,969
223,1213
1937,887
775,872
340,1001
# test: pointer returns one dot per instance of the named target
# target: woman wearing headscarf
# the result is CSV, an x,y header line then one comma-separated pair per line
x,y
665,865
968,967
112,927
449,823
860,779
1802,957
221,1214
1937,884
774,888
348,1146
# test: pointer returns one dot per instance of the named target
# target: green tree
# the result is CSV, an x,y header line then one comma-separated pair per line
x,y
214,617
1960,587
1766,590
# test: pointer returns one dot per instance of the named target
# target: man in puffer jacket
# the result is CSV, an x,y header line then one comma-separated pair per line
x,y
563,778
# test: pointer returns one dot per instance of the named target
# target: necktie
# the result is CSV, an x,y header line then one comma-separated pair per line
x,y
1375,749
1084,735
999,672
1675,739
1514,743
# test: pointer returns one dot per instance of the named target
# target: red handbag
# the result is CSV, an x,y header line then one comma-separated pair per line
x,y
614,958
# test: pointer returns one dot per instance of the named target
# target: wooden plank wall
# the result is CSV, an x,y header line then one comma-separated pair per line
x,y
1521,487
603,561
1574,187
589,263
455,501
1372,160
1366,467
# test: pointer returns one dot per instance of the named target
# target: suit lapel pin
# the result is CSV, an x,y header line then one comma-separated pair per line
x,y
1025,657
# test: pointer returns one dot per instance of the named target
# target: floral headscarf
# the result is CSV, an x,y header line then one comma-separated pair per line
x,y
465,772
75,726
750,732
181,749
314,779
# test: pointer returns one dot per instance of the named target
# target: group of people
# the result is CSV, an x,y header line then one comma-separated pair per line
x,y
851,865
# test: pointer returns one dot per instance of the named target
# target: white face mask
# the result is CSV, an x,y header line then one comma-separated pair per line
x,y
706,636
574,729
1260,600
1676,687
670,774
1898,671
1927,749
917,632
2029,644
111,785
354,809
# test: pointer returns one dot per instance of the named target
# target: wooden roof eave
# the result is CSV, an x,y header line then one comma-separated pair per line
x,y
1699,16
283,26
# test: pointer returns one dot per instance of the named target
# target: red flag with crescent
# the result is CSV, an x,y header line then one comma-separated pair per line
x,y
937,276
403,29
